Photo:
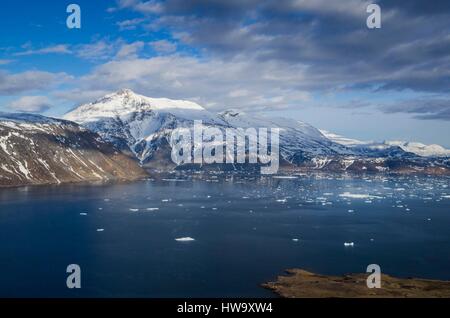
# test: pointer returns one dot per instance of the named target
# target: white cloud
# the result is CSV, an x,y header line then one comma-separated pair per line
x,y
79,96
56,49
4,62
218,83
129,24
145,7
163,46
11,84
97,50
130,51
32,104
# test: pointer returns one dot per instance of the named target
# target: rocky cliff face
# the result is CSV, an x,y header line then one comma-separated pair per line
x,y
40,150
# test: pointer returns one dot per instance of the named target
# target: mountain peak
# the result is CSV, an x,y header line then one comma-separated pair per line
x,y
125,92
124,102
231,112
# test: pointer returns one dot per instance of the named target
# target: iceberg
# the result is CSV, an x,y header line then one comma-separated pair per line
x,y
185,239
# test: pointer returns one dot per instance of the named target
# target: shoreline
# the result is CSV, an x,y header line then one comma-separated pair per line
x,y
299,283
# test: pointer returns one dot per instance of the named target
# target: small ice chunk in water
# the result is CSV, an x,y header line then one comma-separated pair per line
x,y
134,210
351,211
184,239
295,239
152,209
83,213
349,244
165,200
100,230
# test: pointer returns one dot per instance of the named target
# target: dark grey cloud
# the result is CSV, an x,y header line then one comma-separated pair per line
x,y
410,51
431,108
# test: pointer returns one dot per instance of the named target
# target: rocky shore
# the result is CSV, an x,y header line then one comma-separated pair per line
x,y
303,284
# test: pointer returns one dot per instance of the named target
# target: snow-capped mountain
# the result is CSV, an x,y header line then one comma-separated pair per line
x,y
39,150
137,123
142,126
421,149
299,141
416,148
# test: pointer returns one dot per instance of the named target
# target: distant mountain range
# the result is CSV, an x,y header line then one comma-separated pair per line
x,y
116,136
142,126
417,148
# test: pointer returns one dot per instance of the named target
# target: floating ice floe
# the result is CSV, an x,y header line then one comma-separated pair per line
x,y
358,196
165,200
134,210
152,209
349,244
295,239
83,213
281,200
285,177
185,239
100,230
445,196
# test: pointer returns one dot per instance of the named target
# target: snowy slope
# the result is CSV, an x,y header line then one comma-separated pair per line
x,y
137,123
142,124
422,149
37,150
298,140
411,147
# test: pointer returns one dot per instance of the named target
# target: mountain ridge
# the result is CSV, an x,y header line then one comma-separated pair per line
x,y
142,126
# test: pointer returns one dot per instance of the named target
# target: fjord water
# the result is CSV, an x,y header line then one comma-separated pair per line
x,y
246,231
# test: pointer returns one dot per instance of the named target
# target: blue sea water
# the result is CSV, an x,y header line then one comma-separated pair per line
x,y
246,231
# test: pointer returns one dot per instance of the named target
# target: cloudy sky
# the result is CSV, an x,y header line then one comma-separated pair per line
x,y
315,61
